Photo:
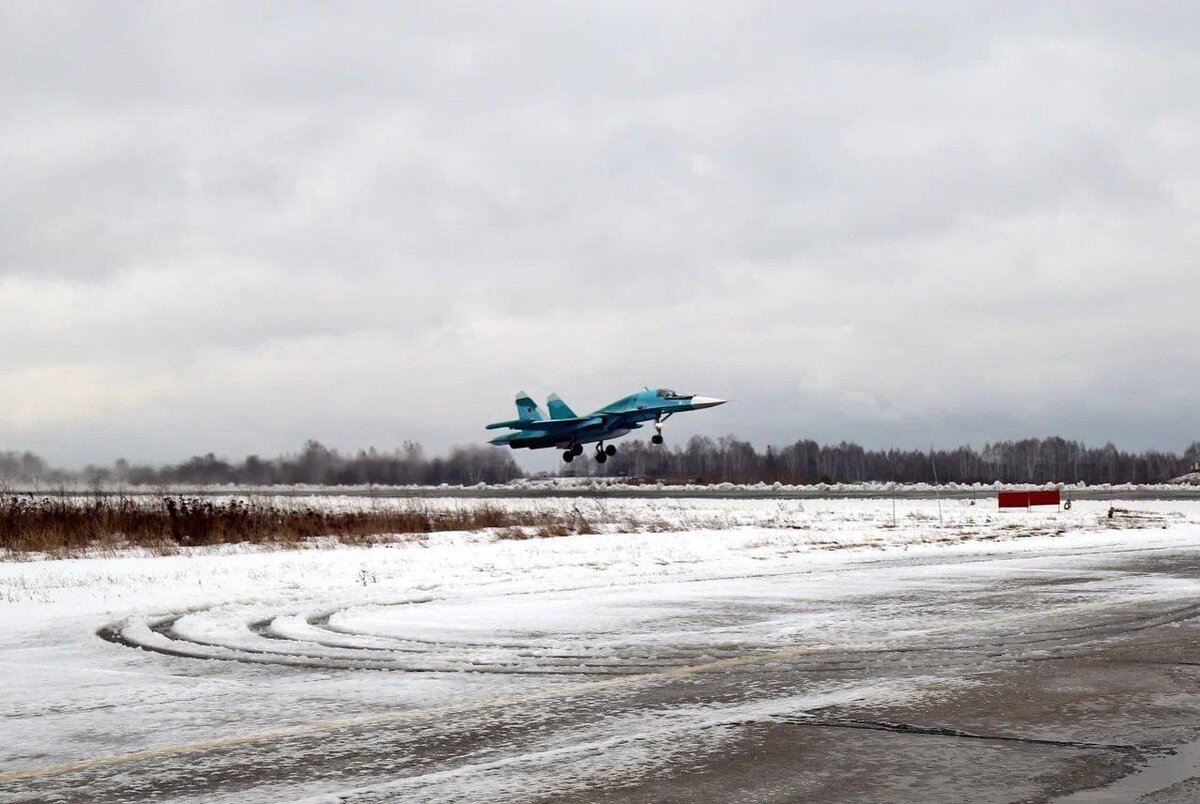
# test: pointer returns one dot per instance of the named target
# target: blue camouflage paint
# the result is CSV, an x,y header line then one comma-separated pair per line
x,y
564,428
559,409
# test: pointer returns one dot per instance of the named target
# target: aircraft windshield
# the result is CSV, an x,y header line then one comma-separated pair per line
x,y
664,393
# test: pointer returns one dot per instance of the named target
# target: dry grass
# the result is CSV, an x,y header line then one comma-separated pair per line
x,y
66,524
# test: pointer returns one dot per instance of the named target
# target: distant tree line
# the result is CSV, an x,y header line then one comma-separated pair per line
x,y
723,460
315,464
1031,460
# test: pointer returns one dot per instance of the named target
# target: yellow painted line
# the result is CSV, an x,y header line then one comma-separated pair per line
x,y
398,716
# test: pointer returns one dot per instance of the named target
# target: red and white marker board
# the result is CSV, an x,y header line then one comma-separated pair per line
x,y
1028,499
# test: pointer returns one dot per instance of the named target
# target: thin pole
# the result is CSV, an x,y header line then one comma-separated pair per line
x,y
937,487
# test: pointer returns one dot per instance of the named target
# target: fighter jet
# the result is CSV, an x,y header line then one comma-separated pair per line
x,y
569,432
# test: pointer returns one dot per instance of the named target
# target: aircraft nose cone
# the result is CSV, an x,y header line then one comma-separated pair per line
x,y
699,402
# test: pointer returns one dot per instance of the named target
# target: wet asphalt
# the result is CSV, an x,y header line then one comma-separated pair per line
x,y
1032,685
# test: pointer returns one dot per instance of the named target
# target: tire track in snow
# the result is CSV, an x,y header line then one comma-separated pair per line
x,y
315,645
397,717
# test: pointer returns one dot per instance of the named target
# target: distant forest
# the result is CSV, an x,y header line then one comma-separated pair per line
x,y
315,464
1031,460
702,460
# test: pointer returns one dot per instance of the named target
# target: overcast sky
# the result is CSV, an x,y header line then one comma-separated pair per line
x,y
234,227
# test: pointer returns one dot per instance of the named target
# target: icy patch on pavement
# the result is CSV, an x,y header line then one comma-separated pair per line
x,y
619,749
305,636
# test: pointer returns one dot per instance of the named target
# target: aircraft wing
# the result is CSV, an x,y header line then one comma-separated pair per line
x,y
550,425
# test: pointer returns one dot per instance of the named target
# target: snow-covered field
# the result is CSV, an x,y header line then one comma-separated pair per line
x,y
542,487
677,536
102,659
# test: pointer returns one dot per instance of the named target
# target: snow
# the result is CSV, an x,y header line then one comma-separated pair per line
x,y
704,583
622,486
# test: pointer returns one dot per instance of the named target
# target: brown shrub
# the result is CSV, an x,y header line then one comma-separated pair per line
x,y
65,524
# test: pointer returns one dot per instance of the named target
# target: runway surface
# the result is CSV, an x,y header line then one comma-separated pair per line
x,y
991,670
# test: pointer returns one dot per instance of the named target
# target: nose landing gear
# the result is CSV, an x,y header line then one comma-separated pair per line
x,y
657,438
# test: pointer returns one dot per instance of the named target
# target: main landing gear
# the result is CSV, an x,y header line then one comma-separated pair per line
x,y
603,453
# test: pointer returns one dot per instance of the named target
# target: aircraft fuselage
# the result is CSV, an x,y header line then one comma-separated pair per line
x,y
567,431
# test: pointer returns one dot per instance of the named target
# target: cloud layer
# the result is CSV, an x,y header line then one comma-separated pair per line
x,y
233,227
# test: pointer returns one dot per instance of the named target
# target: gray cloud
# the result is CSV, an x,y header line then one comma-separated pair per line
x,y
236,226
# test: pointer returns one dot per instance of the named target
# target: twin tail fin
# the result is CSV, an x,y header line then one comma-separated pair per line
x,y
559,409
527,409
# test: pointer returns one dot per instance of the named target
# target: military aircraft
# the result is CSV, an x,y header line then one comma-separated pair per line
x,y
569,432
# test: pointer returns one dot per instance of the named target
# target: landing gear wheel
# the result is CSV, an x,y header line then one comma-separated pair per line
x,y
658,426
568,456
577,449
601,457
610,450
